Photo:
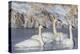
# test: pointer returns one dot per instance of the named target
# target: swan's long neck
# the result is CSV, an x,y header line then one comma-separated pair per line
x,y
39,31
54,27
40,35
70,31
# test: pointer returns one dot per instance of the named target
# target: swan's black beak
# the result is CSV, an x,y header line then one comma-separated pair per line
x,y
44,27
73,27
59,20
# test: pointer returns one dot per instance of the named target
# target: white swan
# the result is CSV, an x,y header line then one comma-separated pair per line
x,y
34,43
62,41
69,41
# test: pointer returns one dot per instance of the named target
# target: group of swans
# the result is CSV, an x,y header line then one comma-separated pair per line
x,y
55,40
62,40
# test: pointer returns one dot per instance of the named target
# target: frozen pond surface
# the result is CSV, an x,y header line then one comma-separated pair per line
x,y
22,34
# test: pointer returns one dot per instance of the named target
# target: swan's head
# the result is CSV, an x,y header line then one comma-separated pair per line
x,y
41,26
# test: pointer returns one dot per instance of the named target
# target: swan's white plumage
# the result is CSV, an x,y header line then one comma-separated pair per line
x,y
28,43
34,40
67,43
54,41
